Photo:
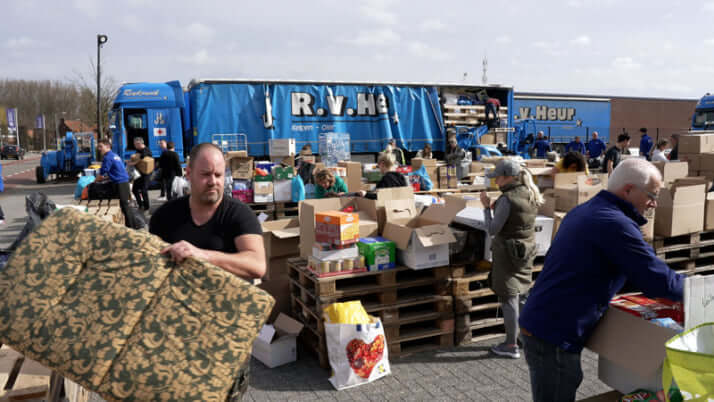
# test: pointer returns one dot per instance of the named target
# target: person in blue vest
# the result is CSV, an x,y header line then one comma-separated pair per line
x,y
541,146
646,144
595,147
575,145
113,174
584,269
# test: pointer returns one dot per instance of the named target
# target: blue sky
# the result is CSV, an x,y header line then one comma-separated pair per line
x,y
608,47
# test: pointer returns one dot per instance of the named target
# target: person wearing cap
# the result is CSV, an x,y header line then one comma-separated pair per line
x,y
541,146
511,222
454,153
646,144
393,149
597,248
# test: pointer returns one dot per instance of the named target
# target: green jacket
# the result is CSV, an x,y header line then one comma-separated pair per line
x,y
338,187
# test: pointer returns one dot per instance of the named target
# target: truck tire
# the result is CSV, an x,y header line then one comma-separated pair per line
x,y
40,175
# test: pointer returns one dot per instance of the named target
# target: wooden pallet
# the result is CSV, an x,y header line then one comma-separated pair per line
x,y
22,378
698,239
475,285
486,330
288,205
420,341
480,318
463,305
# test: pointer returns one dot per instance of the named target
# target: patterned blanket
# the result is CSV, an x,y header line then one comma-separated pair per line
x,y
96,302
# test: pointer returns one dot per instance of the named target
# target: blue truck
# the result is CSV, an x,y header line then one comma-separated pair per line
x,y
703,117
247,114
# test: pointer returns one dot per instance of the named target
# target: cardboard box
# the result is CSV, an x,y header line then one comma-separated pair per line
x,y
282,191
258,177
696,143
241,167
543,234
565,179
280,239
145,165
263,191
479,167
709,212
235,154
672,170
680,210
281,147
706,161
366,210
443,183
557,220
536,163
453,182
548,207
379,253
472,199
419,162
278,286
354,175
276,343
336,227
568,197
692,159
543,177
423,240
648,228
288,161
283,173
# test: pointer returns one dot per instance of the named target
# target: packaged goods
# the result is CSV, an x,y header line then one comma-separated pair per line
x,y
379,253
336,227
334,147
283,173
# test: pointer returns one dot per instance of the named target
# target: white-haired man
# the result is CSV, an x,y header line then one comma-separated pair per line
x,y
598,246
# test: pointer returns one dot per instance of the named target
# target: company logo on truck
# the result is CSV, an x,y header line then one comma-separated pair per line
x,y
139,92
367,104
547,113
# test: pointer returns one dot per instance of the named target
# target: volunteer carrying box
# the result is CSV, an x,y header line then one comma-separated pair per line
x,y
379,253
336,227
423,240
276,343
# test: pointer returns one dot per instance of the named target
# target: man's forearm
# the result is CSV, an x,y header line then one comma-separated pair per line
x,y
246,264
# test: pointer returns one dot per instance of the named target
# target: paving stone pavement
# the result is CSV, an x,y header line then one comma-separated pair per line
x,y
462,373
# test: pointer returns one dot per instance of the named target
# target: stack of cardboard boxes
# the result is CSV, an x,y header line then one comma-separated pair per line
x,y
241,166
335,247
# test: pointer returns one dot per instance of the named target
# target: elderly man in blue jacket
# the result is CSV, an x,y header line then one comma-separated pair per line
x,y
598,246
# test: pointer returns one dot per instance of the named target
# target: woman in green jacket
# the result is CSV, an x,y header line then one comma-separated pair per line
x,y
328,185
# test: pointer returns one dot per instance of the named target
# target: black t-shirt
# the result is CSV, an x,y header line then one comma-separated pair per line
x,y
392,179
172,222
612,154
170,164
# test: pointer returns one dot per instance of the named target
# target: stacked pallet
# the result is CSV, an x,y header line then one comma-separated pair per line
x,y
415,306
22,378
469,115
689,254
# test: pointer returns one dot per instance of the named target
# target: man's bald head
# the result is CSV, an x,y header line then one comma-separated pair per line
x,y
200,149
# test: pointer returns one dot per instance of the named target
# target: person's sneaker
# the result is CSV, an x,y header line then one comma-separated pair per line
x,y
506,351
161,198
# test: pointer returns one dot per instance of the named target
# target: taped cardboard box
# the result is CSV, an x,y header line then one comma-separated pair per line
x,y
548,207
568,197
281,147
696,143
263,191
472,199
423,240
672,171
280,239
354,175
692,160
543,177
276,343
419,162
680,210
235,154
648,228
241,167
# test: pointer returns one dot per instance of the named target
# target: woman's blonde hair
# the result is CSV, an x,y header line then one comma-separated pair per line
x,y
324,174
534,195
387,159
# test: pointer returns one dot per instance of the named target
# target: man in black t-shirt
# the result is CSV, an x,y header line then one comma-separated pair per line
x,y
170,166
205,225
614,154
140,187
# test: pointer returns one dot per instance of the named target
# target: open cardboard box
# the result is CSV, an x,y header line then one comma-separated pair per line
x,y
354,175
276,343
423,240
631,349
569,196
280,239
680,209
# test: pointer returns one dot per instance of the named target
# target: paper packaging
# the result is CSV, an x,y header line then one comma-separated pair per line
x,y
680,210
419,162
282,190
423,241
276,343
557,220
693,161
233,154
263,191
536,163
379,253
241,167
672,170
283,173
543,177
336,227
278,286
631,349
543,234
282,147
568,197
334,254
696,144
280,239
548,207
648,228
354,175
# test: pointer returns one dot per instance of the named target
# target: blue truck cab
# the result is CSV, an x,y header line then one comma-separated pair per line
x,y
703,118
151,111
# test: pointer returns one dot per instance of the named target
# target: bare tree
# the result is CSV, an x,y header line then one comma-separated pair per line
x,y
86,84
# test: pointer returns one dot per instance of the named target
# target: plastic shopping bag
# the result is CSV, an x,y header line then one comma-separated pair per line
x,y
357,353
690,362
424,179
350,312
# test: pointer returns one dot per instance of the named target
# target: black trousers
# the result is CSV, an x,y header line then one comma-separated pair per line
x,y
166,182
122,190
141,191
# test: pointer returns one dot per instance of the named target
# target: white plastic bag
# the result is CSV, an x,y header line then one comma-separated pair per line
x,y
357,352
180,187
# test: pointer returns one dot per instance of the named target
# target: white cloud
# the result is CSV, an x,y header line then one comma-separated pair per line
x,y
200,32
549,48
380,37
625,63
377,11
88,7
21,42
200,58
709,42
708,6
582,40
421,49
503,39
432,25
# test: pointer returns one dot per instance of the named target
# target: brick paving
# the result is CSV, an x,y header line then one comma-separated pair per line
x,y
460,373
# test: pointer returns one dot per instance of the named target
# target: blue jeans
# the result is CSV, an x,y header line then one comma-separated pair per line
x,y
555,374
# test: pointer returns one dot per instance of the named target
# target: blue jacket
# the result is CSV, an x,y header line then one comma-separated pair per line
x,y
575,146
596,147
645,145
598,246
113,167
541,146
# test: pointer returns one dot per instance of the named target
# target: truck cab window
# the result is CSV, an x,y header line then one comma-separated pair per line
x,y
136,126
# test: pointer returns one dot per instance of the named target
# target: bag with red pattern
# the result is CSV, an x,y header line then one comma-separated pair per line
x,y
357,353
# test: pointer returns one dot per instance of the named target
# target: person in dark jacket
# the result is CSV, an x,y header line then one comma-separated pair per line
x,y
390,177
141,185
454,153
597,248
511,222
170,168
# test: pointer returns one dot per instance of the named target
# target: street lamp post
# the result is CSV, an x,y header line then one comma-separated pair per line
x,y
101,40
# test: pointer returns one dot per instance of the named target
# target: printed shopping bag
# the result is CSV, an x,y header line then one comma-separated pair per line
x,y
690,362
357,353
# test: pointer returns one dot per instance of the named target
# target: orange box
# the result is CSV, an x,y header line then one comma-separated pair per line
x,y
336,227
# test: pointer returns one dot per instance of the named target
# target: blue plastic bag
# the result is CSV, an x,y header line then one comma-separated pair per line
x,y
83,182
424,179
298,189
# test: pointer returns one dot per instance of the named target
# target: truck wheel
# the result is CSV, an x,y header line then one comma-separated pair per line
x,y
40,175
